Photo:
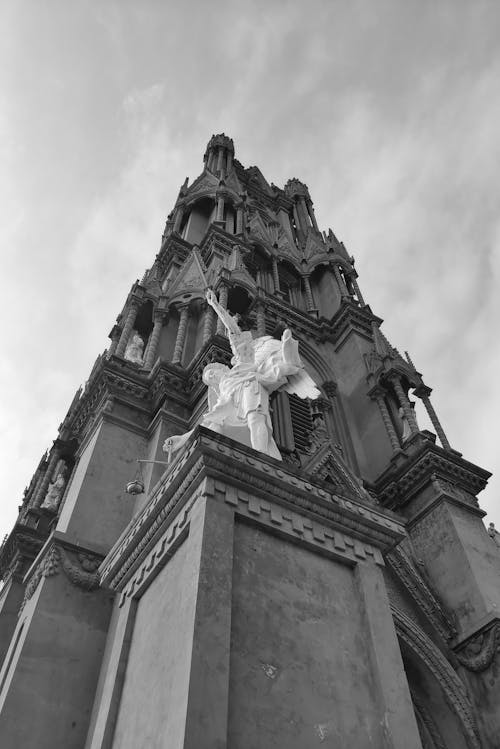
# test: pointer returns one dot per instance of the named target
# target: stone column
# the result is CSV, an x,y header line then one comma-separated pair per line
x,y
405,405
239,220
386,418
220,208
423,393
358,292
179,215
208,324
115,337
342,287
229,222
154,339
303,214
311,214
221,329
229,161
127,329
220,159
181,334
261,318
276,277
44,484
308,290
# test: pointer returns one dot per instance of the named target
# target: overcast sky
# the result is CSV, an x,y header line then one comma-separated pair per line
x,y
389,111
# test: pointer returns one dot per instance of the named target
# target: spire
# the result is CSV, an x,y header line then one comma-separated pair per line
x,y
303,205
219,155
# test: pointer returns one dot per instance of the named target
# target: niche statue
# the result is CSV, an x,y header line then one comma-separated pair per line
x,y
54,493
134,350
238,396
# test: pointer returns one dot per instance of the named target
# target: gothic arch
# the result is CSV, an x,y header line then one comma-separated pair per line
x,y
313,358
199,213
439,695
290,279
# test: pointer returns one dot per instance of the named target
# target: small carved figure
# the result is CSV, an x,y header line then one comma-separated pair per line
x,y
54,493
134,350
406,427
319,433
238,397
494,534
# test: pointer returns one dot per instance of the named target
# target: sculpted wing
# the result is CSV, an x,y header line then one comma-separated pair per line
x,y
300,384
303,385
265,347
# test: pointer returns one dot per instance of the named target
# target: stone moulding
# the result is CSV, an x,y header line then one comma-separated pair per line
x,y
19,550
398,486
216,467
402,567
453,688
78,564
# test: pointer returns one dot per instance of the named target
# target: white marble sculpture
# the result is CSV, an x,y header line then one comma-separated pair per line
x,y
406,427
494,534
238,396
134,350
54,493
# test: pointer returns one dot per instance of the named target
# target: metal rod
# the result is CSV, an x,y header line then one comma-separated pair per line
x,y
160,462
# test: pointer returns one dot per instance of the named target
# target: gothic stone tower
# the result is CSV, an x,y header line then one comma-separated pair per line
x,y
346,596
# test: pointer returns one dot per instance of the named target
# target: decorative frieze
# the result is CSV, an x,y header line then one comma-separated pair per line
x,y
296,502
480,651
398,485
79,566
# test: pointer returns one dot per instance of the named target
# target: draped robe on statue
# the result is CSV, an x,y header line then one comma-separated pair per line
x,y
238,397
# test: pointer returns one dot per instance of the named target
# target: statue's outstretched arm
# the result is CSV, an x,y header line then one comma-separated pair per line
x,y
223,315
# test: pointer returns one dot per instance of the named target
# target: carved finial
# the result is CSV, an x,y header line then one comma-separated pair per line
x,y
294,187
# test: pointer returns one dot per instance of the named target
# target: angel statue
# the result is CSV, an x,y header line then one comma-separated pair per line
x,y
238,396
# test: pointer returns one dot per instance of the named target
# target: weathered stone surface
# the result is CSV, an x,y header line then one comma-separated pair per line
x,y
346,596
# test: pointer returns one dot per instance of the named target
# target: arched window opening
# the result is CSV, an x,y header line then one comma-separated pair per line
x,y
347,281
394,407
325,290
140,333
230,218
259,267
302,423
196,221
238,300
290,284
292,423
294,223
144,320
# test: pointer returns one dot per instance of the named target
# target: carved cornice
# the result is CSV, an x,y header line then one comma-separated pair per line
x,y
349,318
430,464
19,550
210,457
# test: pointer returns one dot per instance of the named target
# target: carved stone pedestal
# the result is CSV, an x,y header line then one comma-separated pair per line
x,y
51,668
251,611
